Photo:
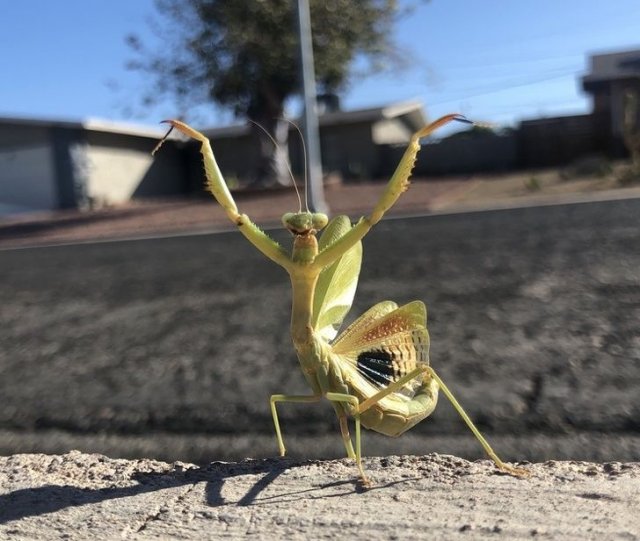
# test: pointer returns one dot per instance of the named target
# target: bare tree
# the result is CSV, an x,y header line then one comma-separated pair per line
x,y
243,55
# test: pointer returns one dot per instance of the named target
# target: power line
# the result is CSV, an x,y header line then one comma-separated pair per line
x,y
493,89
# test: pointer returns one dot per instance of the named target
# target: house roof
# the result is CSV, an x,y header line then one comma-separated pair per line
x,y
89,124
613,66
412,112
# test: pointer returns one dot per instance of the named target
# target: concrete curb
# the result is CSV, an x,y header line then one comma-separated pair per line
x,y
81,496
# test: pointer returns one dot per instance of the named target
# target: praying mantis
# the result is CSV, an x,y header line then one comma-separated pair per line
x,y
377,371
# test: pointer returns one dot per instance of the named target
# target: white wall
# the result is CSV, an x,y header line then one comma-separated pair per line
x,y
114,174
27,179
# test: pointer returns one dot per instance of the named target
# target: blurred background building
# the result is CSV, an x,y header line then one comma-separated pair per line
x,y
47,164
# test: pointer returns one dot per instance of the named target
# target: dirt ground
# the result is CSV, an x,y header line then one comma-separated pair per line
x,y
154,217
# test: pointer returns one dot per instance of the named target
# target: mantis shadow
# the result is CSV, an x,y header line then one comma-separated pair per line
x,y
46,499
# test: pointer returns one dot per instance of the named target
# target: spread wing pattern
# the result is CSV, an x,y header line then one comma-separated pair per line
x,y
386,343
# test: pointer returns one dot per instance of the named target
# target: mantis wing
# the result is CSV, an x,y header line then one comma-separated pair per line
x,y
385,343
337,283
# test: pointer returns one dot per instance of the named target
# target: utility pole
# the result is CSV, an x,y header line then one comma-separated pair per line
x,y
315,190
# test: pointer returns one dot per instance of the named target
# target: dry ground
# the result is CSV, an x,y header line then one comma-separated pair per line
x,y
200,214
170,347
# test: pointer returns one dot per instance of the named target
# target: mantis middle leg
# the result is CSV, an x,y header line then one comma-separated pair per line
x,y
342,419
274,412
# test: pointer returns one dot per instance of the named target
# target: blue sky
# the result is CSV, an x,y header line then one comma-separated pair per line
x,y
493,60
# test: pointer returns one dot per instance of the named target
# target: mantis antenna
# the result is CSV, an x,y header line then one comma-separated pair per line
x,y
157,147
293,180
304,157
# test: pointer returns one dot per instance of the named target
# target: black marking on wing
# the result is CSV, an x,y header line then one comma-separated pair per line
x,y
377,367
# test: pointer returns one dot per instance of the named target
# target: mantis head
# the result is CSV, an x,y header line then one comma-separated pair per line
x,y
304,223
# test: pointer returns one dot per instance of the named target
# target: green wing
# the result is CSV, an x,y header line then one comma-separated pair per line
x,y
337,283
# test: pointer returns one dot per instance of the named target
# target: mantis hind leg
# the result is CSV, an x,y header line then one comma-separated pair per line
x,y
353,401
518,472
371,401
344,430
274,412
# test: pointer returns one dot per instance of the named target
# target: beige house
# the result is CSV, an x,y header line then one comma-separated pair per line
x,y
47,165
352,143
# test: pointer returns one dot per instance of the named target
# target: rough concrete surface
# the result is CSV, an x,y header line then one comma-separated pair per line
x,y
80,496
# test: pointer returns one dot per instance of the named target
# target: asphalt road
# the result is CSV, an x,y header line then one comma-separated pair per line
x,y
170,348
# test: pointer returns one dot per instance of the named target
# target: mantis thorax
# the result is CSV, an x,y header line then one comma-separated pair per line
x,y
305,248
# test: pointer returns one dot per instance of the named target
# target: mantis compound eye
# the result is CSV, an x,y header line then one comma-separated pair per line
x,y
319,221
287,218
